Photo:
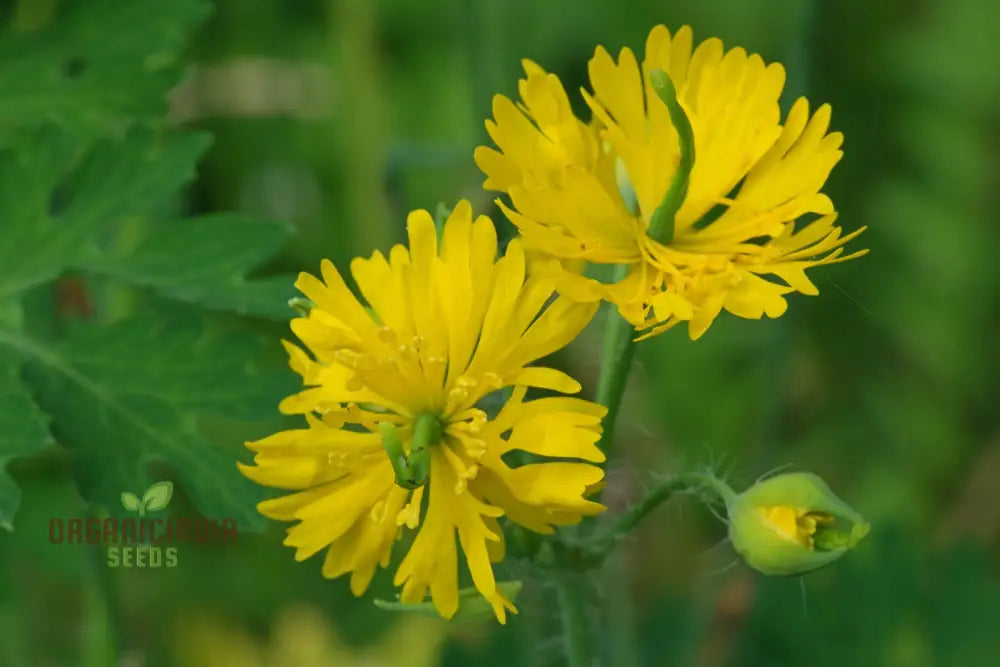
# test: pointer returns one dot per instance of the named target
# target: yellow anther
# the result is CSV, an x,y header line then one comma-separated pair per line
x,y
354,383
347,358
410,514
466,382
475,448
493,380
717,263
356,360
435,363
476,421
378,512
794,524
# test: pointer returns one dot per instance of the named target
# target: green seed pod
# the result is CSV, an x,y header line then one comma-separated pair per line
x,y
412,468
792,524
301,305
661,225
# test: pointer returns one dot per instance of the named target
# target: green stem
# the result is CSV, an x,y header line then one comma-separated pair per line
x,y
595,552
577,632
620,629
619,613
356,63
616,362
627,522
99,641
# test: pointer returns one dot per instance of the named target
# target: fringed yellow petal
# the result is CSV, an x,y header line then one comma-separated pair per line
x,y
753,179
443,325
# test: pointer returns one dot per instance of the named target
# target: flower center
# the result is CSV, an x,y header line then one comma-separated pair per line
x,y
412,466
796,524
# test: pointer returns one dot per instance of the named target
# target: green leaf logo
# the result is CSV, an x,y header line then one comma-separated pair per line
x,y
156,498
130,501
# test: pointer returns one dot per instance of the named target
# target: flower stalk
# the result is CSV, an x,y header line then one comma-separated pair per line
x,y
573,604
619,345
616,363
633,516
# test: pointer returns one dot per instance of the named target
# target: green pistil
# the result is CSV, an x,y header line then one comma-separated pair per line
x,y
661,226
412,469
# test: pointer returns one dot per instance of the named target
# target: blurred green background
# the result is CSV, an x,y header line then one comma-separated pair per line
x,y
337,117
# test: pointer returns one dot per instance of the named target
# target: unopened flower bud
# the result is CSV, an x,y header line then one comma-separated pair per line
x,y
791,524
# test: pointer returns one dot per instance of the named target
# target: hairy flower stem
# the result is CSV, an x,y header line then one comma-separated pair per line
x,y
616,362
100,644
684,482
578,633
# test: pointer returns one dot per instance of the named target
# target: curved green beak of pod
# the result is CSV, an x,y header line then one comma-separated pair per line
x,y
792,524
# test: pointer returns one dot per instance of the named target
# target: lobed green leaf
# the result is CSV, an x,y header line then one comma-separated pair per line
x,y
96,66
123,396
204,261
23,430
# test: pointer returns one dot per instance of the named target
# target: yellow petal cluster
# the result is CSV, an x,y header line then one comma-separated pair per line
x,y
443,324
753,218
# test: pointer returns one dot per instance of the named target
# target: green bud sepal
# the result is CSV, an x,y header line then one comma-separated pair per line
x,y
791,524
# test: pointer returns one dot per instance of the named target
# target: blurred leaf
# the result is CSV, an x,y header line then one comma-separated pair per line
x,y
63,203
23,430
57,203
98,64
125,395
962,580
204,261
50,216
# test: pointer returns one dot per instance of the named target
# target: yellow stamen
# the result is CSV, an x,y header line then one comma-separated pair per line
x,y
794,524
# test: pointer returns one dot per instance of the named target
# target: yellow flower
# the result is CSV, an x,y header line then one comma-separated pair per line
x,y
752,220
443,328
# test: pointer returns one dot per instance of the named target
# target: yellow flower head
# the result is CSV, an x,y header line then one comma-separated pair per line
x,y
751,221
444,327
